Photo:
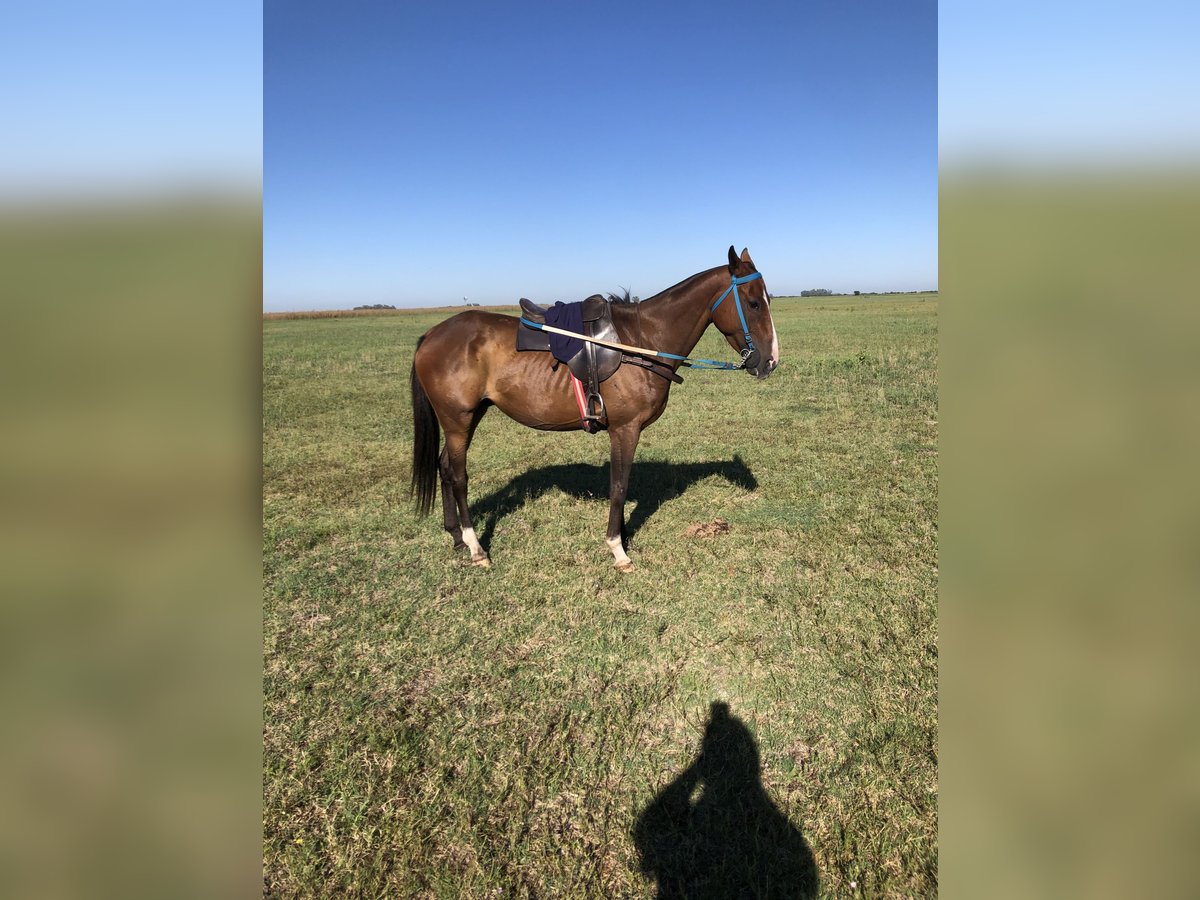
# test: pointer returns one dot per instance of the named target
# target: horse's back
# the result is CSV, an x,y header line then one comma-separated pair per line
x,y
474,332
473,324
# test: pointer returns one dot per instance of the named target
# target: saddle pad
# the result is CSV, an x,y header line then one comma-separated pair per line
x,y
569,317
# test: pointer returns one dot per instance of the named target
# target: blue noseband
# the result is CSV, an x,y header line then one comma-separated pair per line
x,y
737,300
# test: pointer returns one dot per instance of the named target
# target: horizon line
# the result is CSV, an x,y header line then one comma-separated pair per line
x,y
332,311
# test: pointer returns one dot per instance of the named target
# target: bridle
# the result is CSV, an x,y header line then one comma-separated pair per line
x,y
737,301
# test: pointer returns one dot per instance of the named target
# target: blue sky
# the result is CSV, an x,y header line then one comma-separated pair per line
x,y
129,95
417,154
420,155
1069,83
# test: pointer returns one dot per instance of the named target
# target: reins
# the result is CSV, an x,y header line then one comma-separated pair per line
x,y
691,362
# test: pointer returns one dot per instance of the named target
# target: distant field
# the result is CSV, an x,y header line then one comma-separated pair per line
x,y
437,730
441,311
451,310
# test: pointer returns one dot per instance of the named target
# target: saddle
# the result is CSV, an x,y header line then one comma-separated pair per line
x,y
591,365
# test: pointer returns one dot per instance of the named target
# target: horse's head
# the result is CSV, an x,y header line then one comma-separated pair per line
x,y
742,312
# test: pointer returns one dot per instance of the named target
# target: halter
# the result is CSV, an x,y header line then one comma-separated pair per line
x,y
737,300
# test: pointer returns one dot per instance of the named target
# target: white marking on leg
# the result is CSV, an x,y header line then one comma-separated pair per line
x,y
620,557
477,555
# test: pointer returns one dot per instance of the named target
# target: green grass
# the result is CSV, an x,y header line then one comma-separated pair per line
x,y
437,730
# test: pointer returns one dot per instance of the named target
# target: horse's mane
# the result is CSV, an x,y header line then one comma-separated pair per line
x,y
686,283
625,298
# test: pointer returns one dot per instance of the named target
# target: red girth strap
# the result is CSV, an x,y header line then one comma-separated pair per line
x,y
580,399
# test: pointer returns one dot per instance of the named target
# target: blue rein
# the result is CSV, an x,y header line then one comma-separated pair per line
x,y
696,363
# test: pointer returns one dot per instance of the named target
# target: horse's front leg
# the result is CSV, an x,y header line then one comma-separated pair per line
x,y
624,443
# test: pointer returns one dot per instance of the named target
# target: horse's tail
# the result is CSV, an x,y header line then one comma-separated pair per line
x,y
425,444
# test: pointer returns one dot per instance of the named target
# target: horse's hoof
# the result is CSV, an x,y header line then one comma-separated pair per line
x,y
482,562
624,567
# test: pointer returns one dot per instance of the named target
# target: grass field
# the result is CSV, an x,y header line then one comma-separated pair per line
x,y
437,730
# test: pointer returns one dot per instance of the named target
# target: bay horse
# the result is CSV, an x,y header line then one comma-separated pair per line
x,y
470,362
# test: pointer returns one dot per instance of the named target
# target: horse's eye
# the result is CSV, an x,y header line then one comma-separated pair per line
x,y
754,304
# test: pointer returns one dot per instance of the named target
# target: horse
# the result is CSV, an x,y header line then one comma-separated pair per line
x,y
469,362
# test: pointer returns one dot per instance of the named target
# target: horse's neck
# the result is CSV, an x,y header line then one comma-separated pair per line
x,y
674,320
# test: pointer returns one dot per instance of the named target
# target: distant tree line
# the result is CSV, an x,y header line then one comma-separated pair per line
x,y
376,306
889,293
825,292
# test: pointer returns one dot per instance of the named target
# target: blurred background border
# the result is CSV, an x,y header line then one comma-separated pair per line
x,y
130,271
1069,206
130,253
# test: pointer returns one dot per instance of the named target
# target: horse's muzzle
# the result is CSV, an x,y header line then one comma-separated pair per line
x,y
755,365
752,361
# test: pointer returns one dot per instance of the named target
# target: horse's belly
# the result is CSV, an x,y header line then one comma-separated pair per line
x,y
529,390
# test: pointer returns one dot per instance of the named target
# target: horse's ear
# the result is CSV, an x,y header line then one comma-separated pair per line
x,y
746,256
733,259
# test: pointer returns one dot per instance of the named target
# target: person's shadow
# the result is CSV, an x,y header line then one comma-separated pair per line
x,y
731,841
651,484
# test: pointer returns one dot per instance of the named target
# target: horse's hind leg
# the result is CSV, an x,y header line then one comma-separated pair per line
x,y
449,504
458,439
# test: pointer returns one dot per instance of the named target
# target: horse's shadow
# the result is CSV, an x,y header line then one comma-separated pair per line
x,y
651,484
